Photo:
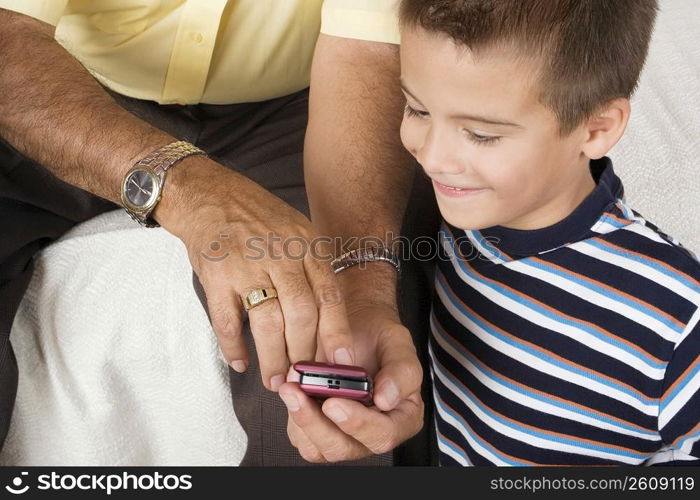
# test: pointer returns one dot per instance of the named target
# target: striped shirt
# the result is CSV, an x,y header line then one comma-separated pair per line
x,y
576,344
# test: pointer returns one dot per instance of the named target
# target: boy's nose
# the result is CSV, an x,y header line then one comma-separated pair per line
x,y
437,155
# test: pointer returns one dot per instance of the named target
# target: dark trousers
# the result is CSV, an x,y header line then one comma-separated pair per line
x,y
264,141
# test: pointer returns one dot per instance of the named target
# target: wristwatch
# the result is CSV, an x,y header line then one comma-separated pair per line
x,y
362,255
143,184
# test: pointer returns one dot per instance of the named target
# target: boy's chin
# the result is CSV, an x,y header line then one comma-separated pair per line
x,y
467,223
469,220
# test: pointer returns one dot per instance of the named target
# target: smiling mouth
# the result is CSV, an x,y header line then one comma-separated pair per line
x,y
456,189
454,192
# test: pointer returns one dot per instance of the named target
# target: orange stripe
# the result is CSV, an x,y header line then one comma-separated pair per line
x,y
663,264
545,431
627,222
613,290
621,207
547,395
681,377
551,354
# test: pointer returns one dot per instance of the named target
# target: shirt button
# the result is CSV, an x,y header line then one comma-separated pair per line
x,y
196,37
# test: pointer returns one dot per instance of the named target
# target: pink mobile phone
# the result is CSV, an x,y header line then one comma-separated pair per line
x,y
334,381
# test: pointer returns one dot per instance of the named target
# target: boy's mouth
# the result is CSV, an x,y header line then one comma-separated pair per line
x,y
454,191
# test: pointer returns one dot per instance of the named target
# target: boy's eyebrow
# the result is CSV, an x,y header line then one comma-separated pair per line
x,y
474,118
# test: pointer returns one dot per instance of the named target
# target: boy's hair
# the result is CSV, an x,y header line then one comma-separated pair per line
x,y
591,51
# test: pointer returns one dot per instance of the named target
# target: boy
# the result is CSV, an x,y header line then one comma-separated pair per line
x,y
564,325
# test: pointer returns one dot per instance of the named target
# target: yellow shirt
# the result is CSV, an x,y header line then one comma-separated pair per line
x,y
213,51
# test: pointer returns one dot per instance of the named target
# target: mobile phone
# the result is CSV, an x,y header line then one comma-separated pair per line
x,y
324,380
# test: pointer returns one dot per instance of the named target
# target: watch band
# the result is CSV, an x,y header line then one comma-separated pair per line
x,y
158,162
162,159
361,255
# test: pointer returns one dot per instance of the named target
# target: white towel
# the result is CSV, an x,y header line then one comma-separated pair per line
x,y
118,364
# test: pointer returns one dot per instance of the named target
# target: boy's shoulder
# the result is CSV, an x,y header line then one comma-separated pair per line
x,y
627,236
656,273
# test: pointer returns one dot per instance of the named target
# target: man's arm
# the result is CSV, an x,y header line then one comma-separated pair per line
x,y
358,178
53,111
358,175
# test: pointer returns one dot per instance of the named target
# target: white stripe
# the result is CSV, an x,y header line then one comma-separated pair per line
x,y
486,252
476,446
679,400
452,453
688,443
549,368
645,231
629,213
669,455
641,269
596,298
528,401
525,437
692,323
603,227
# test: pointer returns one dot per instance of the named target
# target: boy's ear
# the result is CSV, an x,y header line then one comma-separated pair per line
x,y
605,128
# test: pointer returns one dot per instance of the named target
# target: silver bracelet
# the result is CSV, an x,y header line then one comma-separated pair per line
x,y
362,255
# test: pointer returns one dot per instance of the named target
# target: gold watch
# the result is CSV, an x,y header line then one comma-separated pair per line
x,y
143,184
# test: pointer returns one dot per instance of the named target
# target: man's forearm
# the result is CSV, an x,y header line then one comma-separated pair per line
x,y
53,111
358,175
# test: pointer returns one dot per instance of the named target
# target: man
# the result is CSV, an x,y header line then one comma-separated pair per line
x,y
89,90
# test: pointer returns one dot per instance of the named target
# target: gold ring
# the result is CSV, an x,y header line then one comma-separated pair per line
x,y
258,296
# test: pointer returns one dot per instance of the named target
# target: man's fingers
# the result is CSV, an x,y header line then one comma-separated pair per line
x,y
378,432
227,321
302,443
267,326
401,373
334,332
299,311
333,444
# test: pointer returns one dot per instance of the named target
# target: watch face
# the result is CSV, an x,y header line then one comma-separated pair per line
x,y
140,188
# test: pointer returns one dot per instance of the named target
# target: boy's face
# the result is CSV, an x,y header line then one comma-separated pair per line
x,y
493,151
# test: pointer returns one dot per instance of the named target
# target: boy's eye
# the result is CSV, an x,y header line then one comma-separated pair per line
x,y
483,140
411,112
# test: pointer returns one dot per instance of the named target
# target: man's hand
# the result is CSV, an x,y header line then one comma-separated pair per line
x,y
53,111
342,429
228,227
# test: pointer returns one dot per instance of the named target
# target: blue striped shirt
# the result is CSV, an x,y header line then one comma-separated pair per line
x,y
576,344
